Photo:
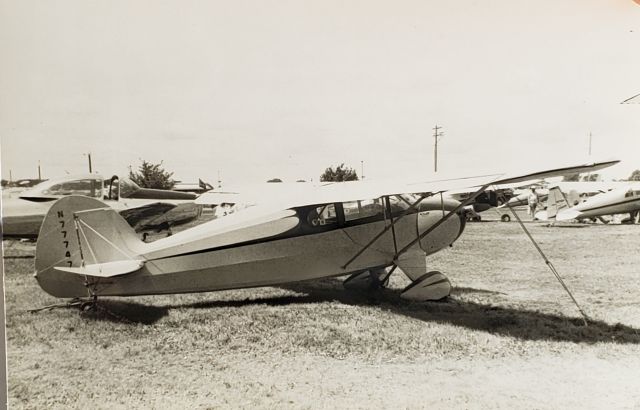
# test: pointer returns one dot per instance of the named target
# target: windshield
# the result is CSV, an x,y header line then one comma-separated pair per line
x,y
116,188
127,187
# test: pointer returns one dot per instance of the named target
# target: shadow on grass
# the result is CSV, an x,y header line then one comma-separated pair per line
x,y
573,226
519,323
513,322
119,311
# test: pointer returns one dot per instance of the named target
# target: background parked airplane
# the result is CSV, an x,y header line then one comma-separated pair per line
x,y
621,200
142,208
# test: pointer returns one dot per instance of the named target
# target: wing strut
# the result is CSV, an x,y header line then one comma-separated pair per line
x,y
386,228
442,220
393,229
550,265
466,202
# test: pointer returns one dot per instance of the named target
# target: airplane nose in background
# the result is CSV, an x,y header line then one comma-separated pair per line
x,y
432,210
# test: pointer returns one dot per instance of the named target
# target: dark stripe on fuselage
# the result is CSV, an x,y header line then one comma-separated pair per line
x,y
303,229
610,205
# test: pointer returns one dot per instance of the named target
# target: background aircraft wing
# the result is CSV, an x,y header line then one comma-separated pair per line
x,y
143,215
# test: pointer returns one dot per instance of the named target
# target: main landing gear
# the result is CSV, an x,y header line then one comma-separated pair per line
x,y
429,286
368,280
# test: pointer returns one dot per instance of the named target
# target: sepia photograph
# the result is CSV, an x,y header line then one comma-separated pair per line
x,y
320,204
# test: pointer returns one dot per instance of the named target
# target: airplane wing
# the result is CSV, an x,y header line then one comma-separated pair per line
x,y
287,196
140,216
178,215
220,197
353,191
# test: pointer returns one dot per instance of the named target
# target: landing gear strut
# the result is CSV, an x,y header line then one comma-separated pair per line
x,y
368,280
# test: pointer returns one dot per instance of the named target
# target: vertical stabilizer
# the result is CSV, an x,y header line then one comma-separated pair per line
x,y
556,202
82,239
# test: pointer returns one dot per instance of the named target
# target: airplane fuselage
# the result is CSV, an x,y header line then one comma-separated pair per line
x,y
294,246
618,201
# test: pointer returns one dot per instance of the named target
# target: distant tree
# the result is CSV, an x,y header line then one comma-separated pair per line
x,y
571,178
275,180
301,180
635,175
151,175
5,182
339,174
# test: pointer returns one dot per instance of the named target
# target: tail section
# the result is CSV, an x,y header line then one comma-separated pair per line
x,y
82,240
556,202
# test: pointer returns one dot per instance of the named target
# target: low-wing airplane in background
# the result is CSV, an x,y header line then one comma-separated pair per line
x,y
85,249
620,200
144,209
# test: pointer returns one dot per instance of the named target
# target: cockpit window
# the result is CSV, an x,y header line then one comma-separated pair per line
x,y
363,209
323,215
629,194
85,187
402,202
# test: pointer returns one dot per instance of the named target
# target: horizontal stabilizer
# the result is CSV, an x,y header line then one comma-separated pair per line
x,y
567,215
105,270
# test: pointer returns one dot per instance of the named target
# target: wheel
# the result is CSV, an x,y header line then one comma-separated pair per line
x,y
505,218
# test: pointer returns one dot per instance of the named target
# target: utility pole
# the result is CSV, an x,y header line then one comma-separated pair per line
x,y
437,135
589,144
39,172
10,176
90,169
362,169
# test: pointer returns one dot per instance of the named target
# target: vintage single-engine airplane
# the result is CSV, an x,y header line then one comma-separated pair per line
x,y
144,209
86,250
622,200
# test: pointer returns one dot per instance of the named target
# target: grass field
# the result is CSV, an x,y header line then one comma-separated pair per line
x,y
508,337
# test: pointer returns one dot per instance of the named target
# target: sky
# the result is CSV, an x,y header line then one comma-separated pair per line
x,y
254,90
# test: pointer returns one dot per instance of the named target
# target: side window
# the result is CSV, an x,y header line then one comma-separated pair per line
x,y
355,210
323,215
628,194
55,190
86,187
